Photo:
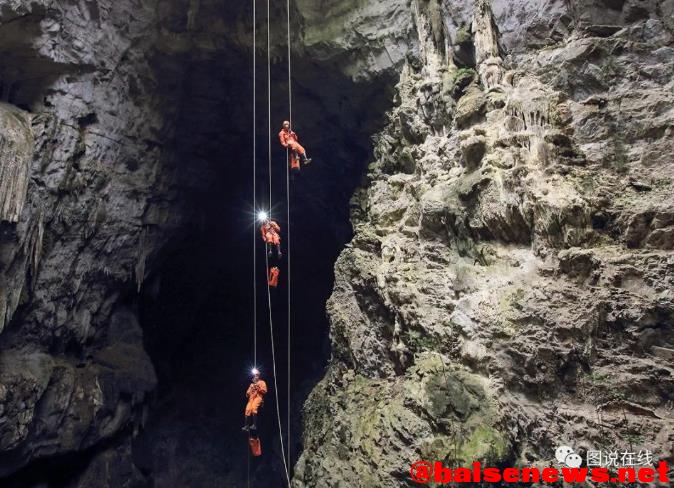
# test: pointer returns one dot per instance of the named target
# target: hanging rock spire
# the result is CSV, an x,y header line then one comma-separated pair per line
x,y
487,50
430,29
16,151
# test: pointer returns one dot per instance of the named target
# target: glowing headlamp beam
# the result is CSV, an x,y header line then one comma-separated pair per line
x,y
262,215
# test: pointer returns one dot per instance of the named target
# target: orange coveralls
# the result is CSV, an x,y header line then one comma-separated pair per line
x,y
270,233
289,140
255,394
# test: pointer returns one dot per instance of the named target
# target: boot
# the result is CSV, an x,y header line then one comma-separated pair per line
x,y
278,252
246,427
254,426
305,159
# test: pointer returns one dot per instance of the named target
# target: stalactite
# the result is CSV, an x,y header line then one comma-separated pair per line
x,y
487,50
33,247
143,252
3,308
9,301
529,112
428,20
16,152
23,264
192,15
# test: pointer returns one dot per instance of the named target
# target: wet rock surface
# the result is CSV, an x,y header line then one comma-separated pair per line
x,y
513,236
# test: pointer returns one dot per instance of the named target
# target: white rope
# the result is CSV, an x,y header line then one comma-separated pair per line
x,y
290,119
248,465
271,321
254,193
273,360
254,220
269,104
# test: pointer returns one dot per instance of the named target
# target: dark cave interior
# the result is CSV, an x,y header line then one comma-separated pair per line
x,y
196,310
196,303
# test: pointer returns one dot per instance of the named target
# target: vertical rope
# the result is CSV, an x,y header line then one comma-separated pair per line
x,y
290,85
254,219
273,360
289,312
269,104
254,192
271,320
290,119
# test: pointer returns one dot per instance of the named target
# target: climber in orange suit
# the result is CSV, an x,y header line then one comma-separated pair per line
x,y
289,140
255,394
272,279
270,235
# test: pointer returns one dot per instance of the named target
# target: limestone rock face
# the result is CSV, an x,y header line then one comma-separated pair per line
x,y
364,39
88,195
115,116
16,151
509,285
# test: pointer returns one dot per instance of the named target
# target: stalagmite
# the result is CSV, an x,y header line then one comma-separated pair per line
x,y
16,152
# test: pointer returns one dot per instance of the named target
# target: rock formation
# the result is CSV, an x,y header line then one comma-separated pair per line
x,y
16,151
119,120
508,287
89,194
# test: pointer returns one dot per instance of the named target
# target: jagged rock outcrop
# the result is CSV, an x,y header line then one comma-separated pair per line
x,y
116,117
85,127
16,151
508,287
362,40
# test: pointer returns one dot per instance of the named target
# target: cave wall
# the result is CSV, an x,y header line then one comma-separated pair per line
x,y
95,183
508,287
117,118
74,372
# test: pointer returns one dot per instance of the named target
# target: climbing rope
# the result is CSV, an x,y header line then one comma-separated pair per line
x,y
254,193
290,119
248,466
271,321
286,463
273,360
269,105
254,217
